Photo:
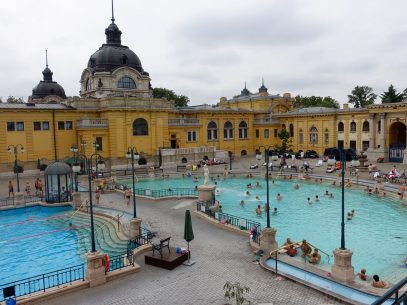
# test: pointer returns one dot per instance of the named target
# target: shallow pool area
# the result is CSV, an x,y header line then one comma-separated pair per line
x,y
35,240
377,234
324,283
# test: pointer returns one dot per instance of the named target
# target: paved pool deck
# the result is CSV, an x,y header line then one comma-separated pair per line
x,y
220,256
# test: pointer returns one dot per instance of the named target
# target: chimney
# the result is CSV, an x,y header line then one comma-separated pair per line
x,y
345,106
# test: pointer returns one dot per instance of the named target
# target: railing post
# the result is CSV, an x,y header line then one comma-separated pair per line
x,y
43,281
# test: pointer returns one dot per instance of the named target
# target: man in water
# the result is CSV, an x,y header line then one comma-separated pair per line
x,y
258,210
315,257
305,248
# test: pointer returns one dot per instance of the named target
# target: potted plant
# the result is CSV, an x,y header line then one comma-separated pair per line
x,y
236,291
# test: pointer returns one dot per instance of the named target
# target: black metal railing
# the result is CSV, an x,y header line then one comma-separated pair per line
x,y
32,198
394,294
143,239
204,206
241,223
121,261
6,202
170,192
41,283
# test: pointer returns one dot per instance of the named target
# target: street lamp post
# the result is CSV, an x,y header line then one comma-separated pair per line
x,y
89,170
74,150
343,165
266,159
96,146
133,155
230,160
14,149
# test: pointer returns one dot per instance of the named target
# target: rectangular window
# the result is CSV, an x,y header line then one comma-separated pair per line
x,y
37,125
352,144
98,144
68,125
275,133
20,126
45,125
266,133
340,144
11,126
300,138
191,136
61,125
257,134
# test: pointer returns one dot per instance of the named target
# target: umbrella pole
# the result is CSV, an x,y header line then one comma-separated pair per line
x,y
189,254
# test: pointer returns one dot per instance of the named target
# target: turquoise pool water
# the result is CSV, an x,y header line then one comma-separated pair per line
x,y
377,234
36,240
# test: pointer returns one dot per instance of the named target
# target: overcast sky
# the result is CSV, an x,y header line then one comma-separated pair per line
x,y
208,49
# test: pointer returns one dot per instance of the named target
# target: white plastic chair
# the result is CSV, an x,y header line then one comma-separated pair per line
x,y
319,163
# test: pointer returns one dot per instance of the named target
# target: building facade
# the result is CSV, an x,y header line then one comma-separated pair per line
x,y
116,110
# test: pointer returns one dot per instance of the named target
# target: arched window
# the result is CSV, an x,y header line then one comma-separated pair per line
x,y
326,136
340,127
88,85
352,127
140,127
365,126
313,135
243,130
283,126
126,82
228,130
212,131
300,136
291,130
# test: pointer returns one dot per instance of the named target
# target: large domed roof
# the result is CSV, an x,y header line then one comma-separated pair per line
x,y
48,87
113,54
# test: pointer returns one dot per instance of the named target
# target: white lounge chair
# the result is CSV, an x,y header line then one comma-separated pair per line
x,y
319,163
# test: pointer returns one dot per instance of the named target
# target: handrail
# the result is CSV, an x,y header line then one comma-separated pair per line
x,y
398,300
85,201
319,250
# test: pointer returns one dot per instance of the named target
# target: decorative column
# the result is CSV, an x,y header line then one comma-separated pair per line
x,y
372,131
268,241
206,192
95,269
77,201
383,131
342,270
135,227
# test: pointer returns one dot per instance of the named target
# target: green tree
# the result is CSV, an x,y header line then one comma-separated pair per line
x,y
362,96
180,100
14,100
392,96
286,141
315,101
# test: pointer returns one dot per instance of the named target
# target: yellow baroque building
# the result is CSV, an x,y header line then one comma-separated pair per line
x,y
116,110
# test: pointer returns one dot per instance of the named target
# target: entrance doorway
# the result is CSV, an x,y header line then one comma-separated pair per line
x,y
397,142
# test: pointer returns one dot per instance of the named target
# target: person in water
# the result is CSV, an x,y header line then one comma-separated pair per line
x,y
258,210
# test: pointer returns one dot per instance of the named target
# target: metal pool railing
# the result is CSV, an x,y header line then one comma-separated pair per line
x,y
224,218
121,261
42,282
170,192
143,239
5,202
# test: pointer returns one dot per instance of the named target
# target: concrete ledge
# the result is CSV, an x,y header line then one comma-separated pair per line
x,y
141,250
112,275
40,297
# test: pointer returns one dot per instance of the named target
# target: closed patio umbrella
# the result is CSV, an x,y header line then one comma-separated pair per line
x,y
188,234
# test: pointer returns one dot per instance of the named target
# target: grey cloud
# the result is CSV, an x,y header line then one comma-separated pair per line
x,y
264,26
